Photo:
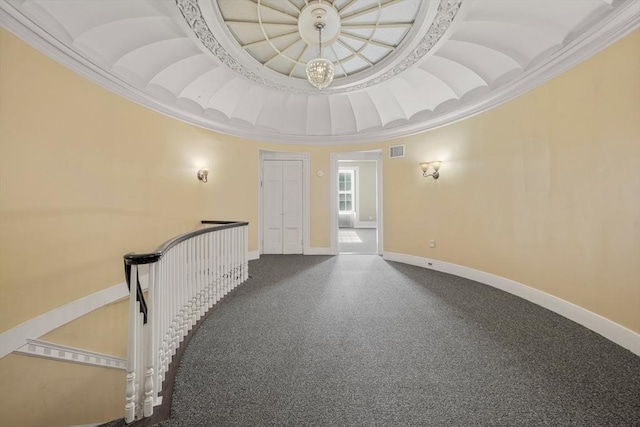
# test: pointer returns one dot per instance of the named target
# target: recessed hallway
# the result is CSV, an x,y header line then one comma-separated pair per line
x,y
358,341
358,240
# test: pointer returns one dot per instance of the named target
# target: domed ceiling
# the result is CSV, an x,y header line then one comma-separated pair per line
x,y
401,66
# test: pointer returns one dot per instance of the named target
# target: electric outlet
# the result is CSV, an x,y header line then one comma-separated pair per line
x,y
432,243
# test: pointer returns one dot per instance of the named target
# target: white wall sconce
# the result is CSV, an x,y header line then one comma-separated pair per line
x,y
203,174
434,165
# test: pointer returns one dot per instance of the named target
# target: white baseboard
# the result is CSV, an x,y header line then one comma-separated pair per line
x,y
65,353
318,251
601,325
366,224
252,255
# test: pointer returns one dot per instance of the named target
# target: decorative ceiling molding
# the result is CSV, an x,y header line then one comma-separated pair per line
x,y
578,46
192,14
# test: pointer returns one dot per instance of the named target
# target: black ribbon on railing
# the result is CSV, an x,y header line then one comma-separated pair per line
x,y
139,295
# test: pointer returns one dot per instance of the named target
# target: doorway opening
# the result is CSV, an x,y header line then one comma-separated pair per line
x,y
357,204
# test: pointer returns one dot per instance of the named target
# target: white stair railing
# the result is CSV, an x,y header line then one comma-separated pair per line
x,y
187,276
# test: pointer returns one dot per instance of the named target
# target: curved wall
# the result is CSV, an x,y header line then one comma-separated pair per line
x,y
543,190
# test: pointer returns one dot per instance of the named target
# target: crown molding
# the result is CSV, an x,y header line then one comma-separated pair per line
x,y
622,21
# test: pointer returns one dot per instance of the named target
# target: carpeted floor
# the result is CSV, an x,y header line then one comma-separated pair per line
x,y
357,341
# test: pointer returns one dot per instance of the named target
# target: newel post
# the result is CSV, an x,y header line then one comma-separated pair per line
x,y
150,345
130,407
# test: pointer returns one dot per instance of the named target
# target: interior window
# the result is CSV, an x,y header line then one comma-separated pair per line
x,y
345,191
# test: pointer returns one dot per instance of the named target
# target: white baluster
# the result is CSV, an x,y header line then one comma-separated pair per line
x,y
234,244
160,326
140,338
195,295
150,335
193,283
229,255
205,274
173,313
166,322
130,406
220,262
195,288
179,292
225,261
245,253
216,260
221,265
202,288
210,275
229,259
232,257
169,306
186,288
212,269
175,301
198,287
184,291
214,273
236,257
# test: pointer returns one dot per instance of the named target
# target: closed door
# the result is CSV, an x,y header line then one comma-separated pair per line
x,y
282,207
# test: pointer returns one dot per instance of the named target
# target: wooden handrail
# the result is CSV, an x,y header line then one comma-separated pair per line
x,y
133,258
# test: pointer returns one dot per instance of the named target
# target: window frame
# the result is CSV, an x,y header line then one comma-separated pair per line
x,y
353,172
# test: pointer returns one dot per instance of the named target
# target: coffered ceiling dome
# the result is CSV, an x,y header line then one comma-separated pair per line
x,y
280,34
401,66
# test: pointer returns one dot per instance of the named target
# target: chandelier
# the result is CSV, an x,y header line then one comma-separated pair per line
x,y
320,71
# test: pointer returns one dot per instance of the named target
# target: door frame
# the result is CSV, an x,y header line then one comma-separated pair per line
x,y
306,201
333,191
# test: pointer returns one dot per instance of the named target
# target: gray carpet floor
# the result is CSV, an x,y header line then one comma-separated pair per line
x,y
357,341
358,240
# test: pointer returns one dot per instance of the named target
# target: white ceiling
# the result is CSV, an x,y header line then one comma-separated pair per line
x,y
402,66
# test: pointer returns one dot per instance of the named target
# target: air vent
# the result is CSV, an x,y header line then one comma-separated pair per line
x,y
396,151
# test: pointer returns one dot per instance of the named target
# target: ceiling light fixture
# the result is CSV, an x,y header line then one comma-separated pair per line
x,y
320,71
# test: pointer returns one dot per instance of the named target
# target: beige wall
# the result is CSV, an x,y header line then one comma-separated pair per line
x,y
85,177
543,190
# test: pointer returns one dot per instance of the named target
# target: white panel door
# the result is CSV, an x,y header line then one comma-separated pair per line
x,y
292,207
272,207
282,207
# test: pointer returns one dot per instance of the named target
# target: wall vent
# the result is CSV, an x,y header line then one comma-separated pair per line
x,y
396,151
